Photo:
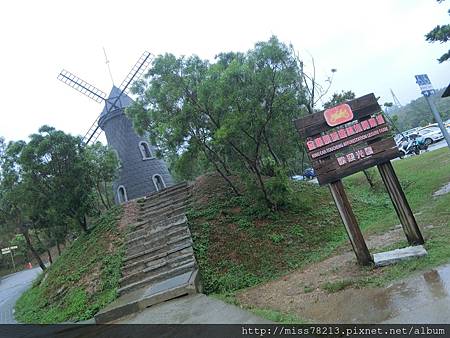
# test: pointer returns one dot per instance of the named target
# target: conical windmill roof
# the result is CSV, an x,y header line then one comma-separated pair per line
x,y
123,102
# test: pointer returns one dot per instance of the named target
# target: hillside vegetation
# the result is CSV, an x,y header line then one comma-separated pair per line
x,y
418,113
81,281
238,246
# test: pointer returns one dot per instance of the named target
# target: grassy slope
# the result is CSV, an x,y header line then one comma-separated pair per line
x,y
236,248
420,177
81,281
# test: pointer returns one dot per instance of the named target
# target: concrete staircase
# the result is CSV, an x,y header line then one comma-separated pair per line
x,y
159,263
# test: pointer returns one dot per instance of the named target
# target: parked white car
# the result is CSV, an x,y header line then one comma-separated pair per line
x,y
431,134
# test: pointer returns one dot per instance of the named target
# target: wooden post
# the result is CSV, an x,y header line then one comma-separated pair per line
x,y
351,225
401,205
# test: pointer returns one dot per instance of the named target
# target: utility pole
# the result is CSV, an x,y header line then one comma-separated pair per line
x,y
427,90
438,119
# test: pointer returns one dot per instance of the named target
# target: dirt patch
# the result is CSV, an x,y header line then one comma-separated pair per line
x,y
91,281
130,213
300,292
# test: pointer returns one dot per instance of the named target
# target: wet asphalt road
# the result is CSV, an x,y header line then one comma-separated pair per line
x,y
11,287
438,145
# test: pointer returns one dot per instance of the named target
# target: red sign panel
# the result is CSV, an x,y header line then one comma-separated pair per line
x,y
338,115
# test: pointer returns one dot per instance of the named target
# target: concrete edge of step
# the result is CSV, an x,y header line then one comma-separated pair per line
x,y
111,313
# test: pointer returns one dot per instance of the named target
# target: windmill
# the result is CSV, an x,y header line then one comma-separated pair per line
x,y
140,173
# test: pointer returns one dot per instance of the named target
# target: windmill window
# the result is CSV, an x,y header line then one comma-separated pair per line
x,y
158,182
122,194
145,150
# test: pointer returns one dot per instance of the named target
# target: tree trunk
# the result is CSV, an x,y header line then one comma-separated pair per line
x,y
83,224
224,176
274,156
33,251
107,195
50,258
269,203
369,179
99,192
58,246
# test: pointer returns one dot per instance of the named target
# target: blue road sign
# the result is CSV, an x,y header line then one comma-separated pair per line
x,y
425,85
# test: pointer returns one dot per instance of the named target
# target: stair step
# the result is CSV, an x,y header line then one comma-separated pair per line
x,y
144,253
162,225
179,238
132,235
181,260
150,280
143,215
155,239
163,193
165,225
164,202
152,252
132,267
170,214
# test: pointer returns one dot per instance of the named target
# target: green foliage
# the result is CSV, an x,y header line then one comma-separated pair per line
x,y
236,257
48,185
238,250
332,287
308,289
276,238
338,98
82,281
277,316
440,34
21,244
417,112
234,115
297,230
238,247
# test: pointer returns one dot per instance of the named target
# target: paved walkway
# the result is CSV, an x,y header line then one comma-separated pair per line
x,y
11,287
194,309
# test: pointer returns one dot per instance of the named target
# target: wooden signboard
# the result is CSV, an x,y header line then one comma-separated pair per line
x,y
348,138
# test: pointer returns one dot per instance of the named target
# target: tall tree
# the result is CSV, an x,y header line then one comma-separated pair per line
x,y
338,98
235,113
50,183
440,34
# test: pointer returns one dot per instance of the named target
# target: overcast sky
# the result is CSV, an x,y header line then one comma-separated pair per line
x,y
374,45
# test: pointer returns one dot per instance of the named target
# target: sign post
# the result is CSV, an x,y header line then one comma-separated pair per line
x,y
351,224
349,138
427,90
9,251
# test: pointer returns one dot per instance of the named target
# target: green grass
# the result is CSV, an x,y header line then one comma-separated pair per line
x,y
81,281
237,249
332,287
420,176
269,314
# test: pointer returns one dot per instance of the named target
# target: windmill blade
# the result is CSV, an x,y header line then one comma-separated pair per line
x,y
82,86
136,72
93,133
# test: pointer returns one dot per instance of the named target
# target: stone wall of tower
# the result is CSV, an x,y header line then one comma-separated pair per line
x,y
136,174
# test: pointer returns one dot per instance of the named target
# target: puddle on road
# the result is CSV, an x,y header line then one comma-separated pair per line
x,y
379,304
